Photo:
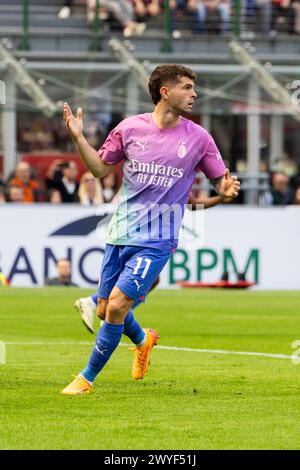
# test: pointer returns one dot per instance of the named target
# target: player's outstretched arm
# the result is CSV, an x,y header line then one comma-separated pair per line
x,y
88,155
227,186
207,202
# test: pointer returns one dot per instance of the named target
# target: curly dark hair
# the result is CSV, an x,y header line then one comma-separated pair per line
x,y
167,73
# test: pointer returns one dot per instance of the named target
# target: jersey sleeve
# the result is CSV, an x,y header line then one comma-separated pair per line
x,y
211,163
112,151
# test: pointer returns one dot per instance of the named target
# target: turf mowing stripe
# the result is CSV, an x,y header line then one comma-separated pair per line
x,y
170,348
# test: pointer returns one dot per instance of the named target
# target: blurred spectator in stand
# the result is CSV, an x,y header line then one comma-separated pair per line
x,y
146,8
283,18
285,164
90,191
61,138
65,10
256,16
15,194
54,172
23,179
63,177
54,196
297,196
109,187
263,16
296,7
215,13
295,179
36,134
63,267
122,11
2,194
281,192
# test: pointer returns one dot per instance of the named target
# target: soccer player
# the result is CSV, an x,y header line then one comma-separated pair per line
x,y
87,306
162,151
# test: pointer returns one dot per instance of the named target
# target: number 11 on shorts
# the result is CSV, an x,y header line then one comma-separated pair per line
x,y
139,264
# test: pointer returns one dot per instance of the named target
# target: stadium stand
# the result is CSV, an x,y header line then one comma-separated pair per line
x,y
71,58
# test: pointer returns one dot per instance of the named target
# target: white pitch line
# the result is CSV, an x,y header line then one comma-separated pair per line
x,y
48,343
222,351
170,348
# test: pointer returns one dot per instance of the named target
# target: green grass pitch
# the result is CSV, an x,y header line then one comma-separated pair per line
x,y
188,400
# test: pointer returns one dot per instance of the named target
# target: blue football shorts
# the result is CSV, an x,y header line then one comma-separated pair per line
x,y
133,269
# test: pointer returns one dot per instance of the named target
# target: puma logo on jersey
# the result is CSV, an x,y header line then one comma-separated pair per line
x,y
139,144
138,286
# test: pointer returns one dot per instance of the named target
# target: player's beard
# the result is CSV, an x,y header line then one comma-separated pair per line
x,y
180,110
183,109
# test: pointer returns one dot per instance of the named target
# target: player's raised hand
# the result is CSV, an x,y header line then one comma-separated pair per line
x,y
74,124
230,186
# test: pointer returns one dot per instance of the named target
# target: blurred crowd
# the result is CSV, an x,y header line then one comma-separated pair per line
x,y
202,16
63,184
284,183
